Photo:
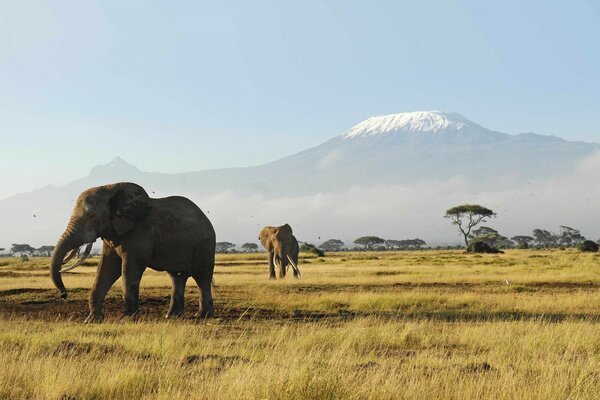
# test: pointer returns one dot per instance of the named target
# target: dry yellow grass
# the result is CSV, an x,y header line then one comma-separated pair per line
x,y
414,325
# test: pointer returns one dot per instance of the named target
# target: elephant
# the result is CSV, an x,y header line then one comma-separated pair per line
x,y
166,234
282,247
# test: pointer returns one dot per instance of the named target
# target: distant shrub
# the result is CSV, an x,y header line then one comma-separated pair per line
x,y
482,247
588,246
311,248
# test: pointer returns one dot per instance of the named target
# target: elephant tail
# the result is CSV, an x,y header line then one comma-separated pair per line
x,y
294,266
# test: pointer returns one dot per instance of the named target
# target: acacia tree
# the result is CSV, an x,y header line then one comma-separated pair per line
x,y
405,244
21,249
250,247
544,238
570,236
414,243
311,248
332,245
523,241
223,247
45,250
491,237
369,242
467,216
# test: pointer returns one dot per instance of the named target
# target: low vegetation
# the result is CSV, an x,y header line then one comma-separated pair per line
x,y
357,325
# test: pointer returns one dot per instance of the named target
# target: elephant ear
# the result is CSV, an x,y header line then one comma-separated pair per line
x,y
127,207
285,229
283,232
264,236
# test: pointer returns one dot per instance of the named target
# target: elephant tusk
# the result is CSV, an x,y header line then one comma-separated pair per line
x,y
69,255
294,266
85,255
278,263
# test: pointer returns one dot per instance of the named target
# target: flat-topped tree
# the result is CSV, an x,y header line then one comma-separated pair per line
x,y
332,245
45,251
369,242
467,216
223,247
523,241
21,249
250,247
570,236
544,238
491,237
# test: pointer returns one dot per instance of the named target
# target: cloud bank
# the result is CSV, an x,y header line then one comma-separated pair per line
x,y
392,211
417,210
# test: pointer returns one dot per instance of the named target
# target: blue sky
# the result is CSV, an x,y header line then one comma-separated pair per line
x,y
190,85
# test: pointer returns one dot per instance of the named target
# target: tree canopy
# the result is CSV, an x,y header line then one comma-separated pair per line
x,y
544,238
523,241
369,242
588,246
21,249
224,247
490,236
250,246
405,244
569,236
467,216
45,250
311,248
332,245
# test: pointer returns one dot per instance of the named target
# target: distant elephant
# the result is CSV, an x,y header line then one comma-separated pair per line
x,y
168,234
282,247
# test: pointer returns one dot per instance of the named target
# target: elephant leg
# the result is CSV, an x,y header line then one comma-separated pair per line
x,y
282,263
107,274
204,276
177,295
206,299
271,266
132,275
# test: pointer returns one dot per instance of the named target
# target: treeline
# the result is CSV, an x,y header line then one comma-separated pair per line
x,y
539,238
25,250
366,243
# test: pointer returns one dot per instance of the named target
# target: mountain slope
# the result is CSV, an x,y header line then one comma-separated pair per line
x,y
395,149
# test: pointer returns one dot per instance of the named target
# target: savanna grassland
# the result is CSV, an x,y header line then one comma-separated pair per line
x,y
413,325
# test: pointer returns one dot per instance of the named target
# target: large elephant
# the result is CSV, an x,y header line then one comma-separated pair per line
x,y
168,234
282,247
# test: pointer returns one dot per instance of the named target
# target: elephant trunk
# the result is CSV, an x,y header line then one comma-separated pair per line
x,y
68,241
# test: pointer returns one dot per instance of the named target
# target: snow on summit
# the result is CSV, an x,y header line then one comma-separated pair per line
x,y
418,121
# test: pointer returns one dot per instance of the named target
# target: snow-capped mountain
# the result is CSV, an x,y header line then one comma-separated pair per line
x,y
413,146
418,121
397,149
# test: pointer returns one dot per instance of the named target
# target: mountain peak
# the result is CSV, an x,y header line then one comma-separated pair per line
x,y
116,166
417,121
